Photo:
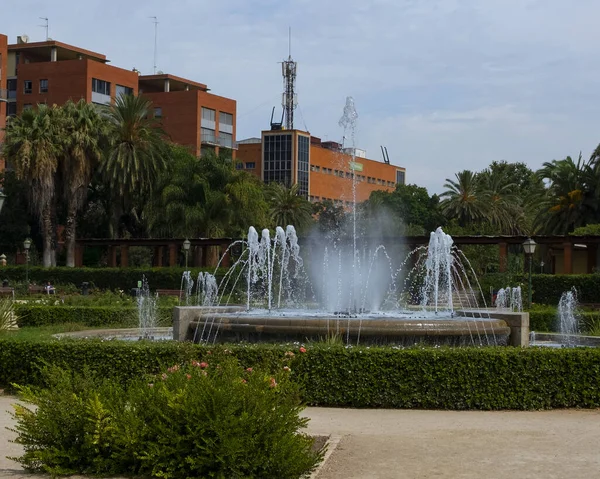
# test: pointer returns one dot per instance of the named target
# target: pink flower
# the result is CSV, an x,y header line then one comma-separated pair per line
x,y
150,385
209,352
204,373
172,369
289,354
163,376
195,363
244,381
249,370
302,349
189,376
273,383
287,369
203,365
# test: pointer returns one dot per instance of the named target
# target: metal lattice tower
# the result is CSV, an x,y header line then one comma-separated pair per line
x,y
290,98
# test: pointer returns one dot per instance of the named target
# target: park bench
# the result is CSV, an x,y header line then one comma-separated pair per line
x,y
6,291
170,292
36,289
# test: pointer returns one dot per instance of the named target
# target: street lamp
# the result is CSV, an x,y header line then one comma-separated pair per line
x,y
27,245
186,249
529,248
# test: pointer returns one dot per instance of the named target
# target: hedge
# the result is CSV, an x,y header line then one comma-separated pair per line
x,y
104,278
34,315
547,288
335,376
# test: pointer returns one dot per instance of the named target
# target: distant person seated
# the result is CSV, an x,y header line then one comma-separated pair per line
x,y
49,288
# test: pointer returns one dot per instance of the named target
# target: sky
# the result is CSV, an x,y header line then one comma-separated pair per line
x,y
445,85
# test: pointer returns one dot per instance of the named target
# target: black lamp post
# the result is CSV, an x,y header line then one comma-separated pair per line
x,y
27,245
186,249
529,248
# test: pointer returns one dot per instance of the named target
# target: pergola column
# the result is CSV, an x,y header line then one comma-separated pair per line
x,y
112,256
124,256
172,254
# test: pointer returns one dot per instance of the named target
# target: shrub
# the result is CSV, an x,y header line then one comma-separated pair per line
x,y
194,420
8,317
336,376
43,315
547,288
104,278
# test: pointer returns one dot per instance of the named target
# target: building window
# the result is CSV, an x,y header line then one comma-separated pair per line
x,y
11,86
208,119
225,139
239,165
303,165
225,122
277,158
44,86
250,165
400,177
207,136
11,108
100,86
27,86
121,90
158,112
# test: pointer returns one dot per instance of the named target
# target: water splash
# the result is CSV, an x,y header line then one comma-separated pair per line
x,y
146,306
568,317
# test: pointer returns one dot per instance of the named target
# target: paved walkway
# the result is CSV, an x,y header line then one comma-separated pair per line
x,y
434,444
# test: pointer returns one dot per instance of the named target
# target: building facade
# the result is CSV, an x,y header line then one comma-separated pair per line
x,y
189,114
323,171
52,72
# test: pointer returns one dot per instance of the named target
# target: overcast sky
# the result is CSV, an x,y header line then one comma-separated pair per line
x,y
446,85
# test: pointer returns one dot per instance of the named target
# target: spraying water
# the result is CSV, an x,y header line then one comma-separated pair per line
x,y
568,317
146,305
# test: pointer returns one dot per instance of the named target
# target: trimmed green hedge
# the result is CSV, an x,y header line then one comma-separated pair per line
x,y
547,288
34,315
104,278
453,378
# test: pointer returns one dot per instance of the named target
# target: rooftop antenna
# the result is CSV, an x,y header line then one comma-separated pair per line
x,y
155,41
290,99
45,26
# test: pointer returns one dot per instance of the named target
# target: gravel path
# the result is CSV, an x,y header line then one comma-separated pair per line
x,y
432,444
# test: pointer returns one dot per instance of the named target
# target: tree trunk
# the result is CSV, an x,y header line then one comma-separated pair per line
x,y
47,237
70,235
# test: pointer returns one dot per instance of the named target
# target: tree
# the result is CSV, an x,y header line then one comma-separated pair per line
x,y
135,156
85,137
332,220
14,217
287,207
33,145
462,199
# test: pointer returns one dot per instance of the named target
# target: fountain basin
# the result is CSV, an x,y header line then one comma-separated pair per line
x,y
558,340
125,334
232,324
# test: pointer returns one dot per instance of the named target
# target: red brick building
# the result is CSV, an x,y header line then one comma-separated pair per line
x,y
52,72
323,170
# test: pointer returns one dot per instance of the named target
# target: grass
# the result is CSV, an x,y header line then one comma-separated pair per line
x,y
46,332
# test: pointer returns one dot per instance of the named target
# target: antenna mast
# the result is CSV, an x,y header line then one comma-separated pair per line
x,y
45,26
290,98
155,41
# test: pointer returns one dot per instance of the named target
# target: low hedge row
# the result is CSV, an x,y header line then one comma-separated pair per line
x,y
34,315
547,288
459,378
104,278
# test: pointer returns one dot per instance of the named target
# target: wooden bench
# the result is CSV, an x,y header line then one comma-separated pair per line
x,y
170,292
6,291
36,289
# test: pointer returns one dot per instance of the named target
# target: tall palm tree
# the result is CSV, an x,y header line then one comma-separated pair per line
x,y
136,151
84,141
462,199
503,208
33,144
287,207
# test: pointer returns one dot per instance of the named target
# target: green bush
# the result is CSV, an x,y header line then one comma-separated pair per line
x,y
211,419
42,315
103,278
332,375
547,288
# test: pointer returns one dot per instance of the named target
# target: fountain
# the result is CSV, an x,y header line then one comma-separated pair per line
x,y
146,304
509,299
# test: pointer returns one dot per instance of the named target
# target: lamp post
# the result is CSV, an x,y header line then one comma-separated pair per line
x,y
27,245
186,249
529,248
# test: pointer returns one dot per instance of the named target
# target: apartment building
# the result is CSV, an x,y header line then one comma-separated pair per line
x,y
53,72
189,114
322,170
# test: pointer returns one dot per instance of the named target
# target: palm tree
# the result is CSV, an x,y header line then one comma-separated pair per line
x,y
503,208
85,136
569,201
462,199
33,145
135,155
287,207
